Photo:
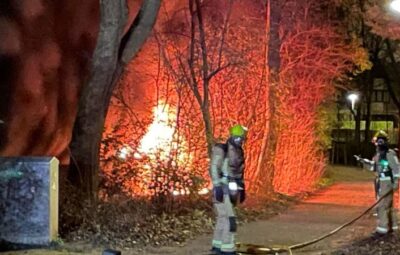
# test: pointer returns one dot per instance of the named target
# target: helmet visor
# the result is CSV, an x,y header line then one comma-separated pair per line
x,y
238,140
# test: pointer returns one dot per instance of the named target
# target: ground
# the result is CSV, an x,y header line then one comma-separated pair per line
x,y
316,215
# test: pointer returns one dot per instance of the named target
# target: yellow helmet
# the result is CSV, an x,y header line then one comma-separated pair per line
x,y
380,135
238,130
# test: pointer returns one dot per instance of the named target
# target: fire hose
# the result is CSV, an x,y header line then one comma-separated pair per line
x,y
244,249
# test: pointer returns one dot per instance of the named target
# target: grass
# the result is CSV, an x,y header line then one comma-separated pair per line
x,y
340,173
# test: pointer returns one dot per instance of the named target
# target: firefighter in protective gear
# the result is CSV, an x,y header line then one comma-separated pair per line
x,y
386,165
227,172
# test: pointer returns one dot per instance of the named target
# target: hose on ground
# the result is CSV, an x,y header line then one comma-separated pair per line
x,y
245,249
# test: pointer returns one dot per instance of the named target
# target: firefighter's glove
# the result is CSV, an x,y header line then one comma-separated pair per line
x,y
218,193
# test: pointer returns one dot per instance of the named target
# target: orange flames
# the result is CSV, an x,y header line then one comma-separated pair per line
x,y
162,155
160,141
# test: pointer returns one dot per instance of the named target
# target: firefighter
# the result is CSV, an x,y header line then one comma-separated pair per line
x,y
386,165
227,172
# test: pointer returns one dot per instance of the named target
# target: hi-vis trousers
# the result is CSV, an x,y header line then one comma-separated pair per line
x,y
387,218
225,228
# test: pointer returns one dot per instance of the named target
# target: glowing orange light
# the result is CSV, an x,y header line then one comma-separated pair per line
x,y
204,191
159,136
159,145
124,153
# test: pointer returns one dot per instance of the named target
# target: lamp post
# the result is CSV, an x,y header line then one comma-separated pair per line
x,y
353,97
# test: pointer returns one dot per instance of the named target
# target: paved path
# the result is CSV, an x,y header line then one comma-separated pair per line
x,y
317,215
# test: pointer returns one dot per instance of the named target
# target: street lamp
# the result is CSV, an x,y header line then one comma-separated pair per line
x,y
353,97
395,5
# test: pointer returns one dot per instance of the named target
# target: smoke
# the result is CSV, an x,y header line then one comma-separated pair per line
x,y
29,9
10,37
51,43
50,57
45,53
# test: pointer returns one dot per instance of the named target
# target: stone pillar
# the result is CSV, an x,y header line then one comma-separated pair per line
x,y
28,200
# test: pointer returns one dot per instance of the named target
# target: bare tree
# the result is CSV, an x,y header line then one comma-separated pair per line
x,y
391,71
199,66
267,155
112,54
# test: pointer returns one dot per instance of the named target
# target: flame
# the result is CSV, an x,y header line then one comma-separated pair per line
x,y
159,137
159,146
124,152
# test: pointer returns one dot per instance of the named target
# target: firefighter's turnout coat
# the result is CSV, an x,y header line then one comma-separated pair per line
x,y
386,166
226,171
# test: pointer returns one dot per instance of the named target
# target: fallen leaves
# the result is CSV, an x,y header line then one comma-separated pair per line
x,y
386,245
131,226
127,223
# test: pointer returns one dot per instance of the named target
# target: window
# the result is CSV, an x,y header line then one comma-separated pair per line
x,y
380,96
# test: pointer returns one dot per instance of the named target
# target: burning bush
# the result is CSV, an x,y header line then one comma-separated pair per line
x,y
159,168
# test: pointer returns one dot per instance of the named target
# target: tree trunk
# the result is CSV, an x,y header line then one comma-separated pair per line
x,y
272,140
398,136
357,130
90,118
206,73
368,114
266,162
208,129
112,53
395,70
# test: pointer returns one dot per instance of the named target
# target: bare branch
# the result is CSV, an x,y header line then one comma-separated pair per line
x,y
139,31
191,51
203,51
216,71
224,31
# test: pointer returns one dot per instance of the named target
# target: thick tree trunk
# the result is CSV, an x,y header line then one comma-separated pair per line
x,y
266,162
272,140
93,103
113,52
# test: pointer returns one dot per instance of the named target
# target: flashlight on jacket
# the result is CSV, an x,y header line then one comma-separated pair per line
x,y
233,186
384,164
